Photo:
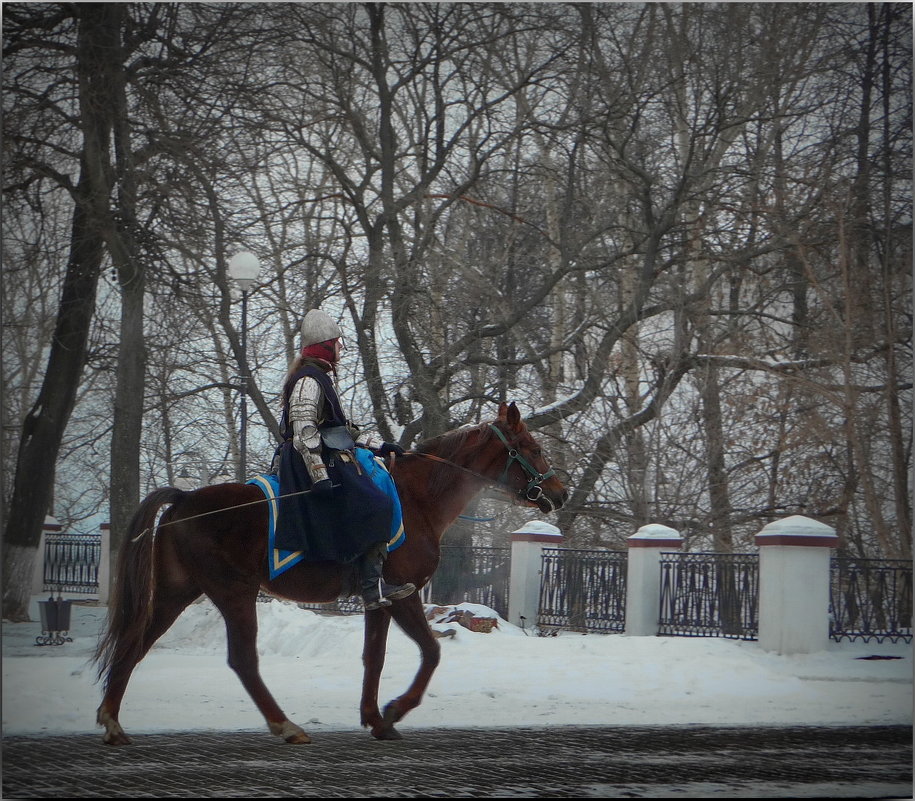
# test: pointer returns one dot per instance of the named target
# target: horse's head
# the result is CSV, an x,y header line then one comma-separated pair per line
x,y
526,471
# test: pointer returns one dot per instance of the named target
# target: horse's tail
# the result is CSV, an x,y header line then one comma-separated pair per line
x,y
130,605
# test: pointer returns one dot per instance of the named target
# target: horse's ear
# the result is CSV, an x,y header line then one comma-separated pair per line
x,y
503,411
513,416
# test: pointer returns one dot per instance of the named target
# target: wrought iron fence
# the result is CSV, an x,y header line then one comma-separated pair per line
x,y
582,590
710,595
477,575
870,599
71,562
702,594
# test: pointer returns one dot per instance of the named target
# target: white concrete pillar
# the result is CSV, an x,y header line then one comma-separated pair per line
x,y
528,543
794,585
104,565
643,577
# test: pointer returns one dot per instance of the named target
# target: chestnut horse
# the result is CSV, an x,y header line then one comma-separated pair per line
x,y
213,542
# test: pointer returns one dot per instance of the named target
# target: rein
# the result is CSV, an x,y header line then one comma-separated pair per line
x,y
147,530
536,478
433,458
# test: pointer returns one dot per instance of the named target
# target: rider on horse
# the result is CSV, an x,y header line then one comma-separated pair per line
x,y
344,517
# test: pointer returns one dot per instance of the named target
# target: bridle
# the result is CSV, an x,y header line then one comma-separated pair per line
x,y
536,477
532,492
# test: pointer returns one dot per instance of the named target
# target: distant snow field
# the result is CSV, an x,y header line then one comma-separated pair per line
x,y
312,664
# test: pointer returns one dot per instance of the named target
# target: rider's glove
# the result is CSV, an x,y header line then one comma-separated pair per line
x,y
317,472
388,448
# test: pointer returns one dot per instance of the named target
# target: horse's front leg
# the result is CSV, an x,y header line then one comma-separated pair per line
x,y
411,618
377,622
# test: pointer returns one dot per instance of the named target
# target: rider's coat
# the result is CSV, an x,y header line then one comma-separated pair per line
x,y
318,443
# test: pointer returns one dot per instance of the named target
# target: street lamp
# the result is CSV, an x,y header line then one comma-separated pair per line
x,y
243,269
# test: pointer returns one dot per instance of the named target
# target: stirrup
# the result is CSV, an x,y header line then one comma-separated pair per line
x,y
386,593
379,604
373,595
395,593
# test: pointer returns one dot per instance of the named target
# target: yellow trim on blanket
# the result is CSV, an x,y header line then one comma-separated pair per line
x,y
279,559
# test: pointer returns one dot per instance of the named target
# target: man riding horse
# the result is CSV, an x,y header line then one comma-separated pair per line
x,y
332,509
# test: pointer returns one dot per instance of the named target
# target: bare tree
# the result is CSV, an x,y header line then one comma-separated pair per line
x,y
97,38
645,223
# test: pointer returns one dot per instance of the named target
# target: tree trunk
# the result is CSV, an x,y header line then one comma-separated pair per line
x,y
719,519
45,424
127,424
637,457
862,306
434,417
902,499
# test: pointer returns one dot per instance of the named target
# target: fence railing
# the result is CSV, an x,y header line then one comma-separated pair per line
x,y
478,575
710,595
582,590
702,594
71,563
870,599
473,574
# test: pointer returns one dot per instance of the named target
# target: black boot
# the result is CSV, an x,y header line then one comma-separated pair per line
x,y
376,592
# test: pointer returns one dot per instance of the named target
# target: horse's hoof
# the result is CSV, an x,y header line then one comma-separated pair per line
x,y
391,714
114,734
116,738
387,733
290,732
386,730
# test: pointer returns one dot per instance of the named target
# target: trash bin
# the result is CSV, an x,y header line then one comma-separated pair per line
x,y
55,621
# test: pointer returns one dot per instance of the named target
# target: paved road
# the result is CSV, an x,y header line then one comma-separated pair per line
x,y
558,762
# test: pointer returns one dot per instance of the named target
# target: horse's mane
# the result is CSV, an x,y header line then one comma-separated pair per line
x,y
448,446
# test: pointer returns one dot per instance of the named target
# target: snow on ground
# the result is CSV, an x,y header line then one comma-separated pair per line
x,y
312,664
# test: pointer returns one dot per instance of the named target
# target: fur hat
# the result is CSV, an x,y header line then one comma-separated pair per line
x,y
319,327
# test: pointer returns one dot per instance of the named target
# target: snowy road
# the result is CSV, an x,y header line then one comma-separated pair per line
x,y
557,762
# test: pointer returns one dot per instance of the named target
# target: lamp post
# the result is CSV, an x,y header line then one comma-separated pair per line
x,y
243,269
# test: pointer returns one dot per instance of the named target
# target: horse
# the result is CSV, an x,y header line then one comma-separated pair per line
x,y
213,541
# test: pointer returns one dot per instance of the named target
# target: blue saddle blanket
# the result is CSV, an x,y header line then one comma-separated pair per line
x,y
269,484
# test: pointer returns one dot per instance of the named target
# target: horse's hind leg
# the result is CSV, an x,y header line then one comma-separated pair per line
x,y
239,609
167,605
409,615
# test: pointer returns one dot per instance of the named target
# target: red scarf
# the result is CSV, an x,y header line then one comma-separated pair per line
x,y
326,351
